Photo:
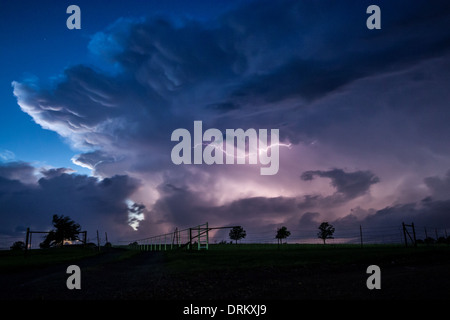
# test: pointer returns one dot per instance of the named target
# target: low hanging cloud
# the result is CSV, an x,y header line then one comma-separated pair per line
x,y
348,184
17,171
432,211
55,172
440,187
29,198
180,204
426,213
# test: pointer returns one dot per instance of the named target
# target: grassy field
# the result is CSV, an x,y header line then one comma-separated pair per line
x,y
248,256
246,271
11,260
242,256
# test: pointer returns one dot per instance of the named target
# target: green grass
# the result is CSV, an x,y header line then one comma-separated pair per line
x,y
242,256
19,260
248,256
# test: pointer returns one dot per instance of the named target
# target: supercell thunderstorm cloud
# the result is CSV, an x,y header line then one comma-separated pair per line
x,y
365,114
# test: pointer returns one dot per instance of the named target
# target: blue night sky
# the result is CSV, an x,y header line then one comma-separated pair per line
x,y
37,44
86,116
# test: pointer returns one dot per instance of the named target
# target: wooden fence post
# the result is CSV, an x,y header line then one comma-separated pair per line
x,y
27,239
360,235
404,234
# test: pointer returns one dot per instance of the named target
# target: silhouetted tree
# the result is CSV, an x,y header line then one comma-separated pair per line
x,y
326,231
237,233
133,244
282,233
65,229
442,240
18,245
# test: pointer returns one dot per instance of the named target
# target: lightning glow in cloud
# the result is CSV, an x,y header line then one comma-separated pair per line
x,y
258,147
219,147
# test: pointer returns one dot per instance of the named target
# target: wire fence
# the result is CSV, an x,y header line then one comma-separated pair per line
x,y
197,236
35,239
351,235
6,241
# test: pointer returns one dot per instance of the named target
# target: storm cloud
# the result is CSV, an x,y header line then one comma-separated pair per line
x,y
440,187
171,71
30,200
349,184
342,95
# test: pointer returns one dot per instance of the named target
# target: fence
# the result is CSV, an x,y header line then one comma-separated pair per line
x,y
191,238
32,239
359,234
199,237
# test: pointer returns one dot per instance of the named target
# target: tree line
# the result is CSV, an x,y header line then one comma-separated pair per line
x,y
326,231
